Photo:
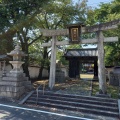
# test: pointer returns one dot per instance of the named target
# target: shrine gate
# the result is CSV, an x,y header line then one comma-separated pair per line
x,y
99,40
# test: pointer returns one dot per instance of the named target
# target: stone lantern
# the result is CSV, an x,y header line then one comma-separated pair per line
x,y
17,56
15,83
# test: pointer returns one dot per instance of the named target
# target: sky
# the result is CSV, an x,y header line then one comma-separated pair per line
x,y
95,3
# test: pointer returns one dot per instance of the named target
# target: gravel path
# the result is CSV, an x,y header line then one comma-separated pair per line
x,y
80,87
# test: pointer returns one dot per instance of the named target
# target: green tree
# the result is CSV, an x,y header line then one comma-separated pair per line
x,y
113,57
105,13
17,19
57,15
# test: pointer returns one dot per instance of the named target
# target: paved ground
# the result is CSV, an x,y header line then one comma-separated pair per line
x,y
14,112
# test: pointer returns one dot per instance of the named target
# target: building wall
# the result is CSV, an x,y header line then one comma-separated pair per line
x,y
34,71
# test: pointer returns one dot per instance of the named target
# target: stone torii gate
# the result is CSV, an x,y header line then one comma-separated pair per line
x,y
99,40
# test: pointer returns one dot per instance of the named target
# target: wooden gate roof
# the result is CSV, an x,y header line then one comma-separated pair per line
x,y
81,53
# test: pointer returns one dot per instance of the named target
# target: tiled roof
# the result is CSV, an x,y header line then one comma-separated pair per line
x,y
81,53
4,57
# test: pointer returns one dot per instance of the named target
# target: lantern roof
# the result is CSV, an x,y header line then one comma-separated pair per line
x,y
16,52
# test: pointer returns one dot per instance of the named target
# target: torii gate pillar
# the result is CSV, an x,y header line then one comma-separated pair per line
x,y
101,64
53,63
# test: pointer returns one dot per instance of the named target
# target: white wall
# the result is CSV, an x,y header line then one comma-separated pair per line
x,y
34,71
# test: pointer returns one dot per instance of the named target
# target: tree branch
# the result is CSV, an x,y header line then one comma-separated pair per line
x,y
46,21
34,40
20,38
12,30
58,22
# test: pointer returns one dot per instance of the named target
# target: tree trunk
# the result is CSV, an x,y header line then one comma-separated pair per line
x,y
6,45
45,56
26,64
25,67
40,72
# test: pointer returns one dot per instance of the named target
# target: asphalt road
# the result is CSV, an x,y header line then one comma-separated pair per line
x,y
12,112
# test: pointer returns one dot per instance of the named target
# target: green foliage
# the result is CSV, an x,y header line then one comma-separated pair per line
x,y
90,17
16,15
13,12
105,13
113,90
61,58
3,46
57,15
74,46
112,56
26,18
102,12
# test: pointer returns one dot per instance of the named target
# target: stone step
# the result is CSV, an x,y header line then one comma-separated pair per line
x,y
75,104
97,106
79,100
79,96
73,108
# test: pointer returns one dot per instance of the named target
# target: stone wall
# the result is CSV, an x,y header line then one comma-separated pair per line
x,y
108,72
65,70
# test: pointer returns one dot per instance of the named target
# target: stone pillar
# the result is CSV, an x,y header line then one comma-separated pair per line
x,y
101,64
53,63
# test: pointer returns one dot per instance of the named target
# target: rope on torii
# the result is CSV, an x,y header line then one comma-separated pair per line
x,y
99,40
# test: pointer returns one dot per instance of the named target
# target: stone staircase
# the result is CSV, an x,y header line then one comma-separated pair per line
x,y
97,106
